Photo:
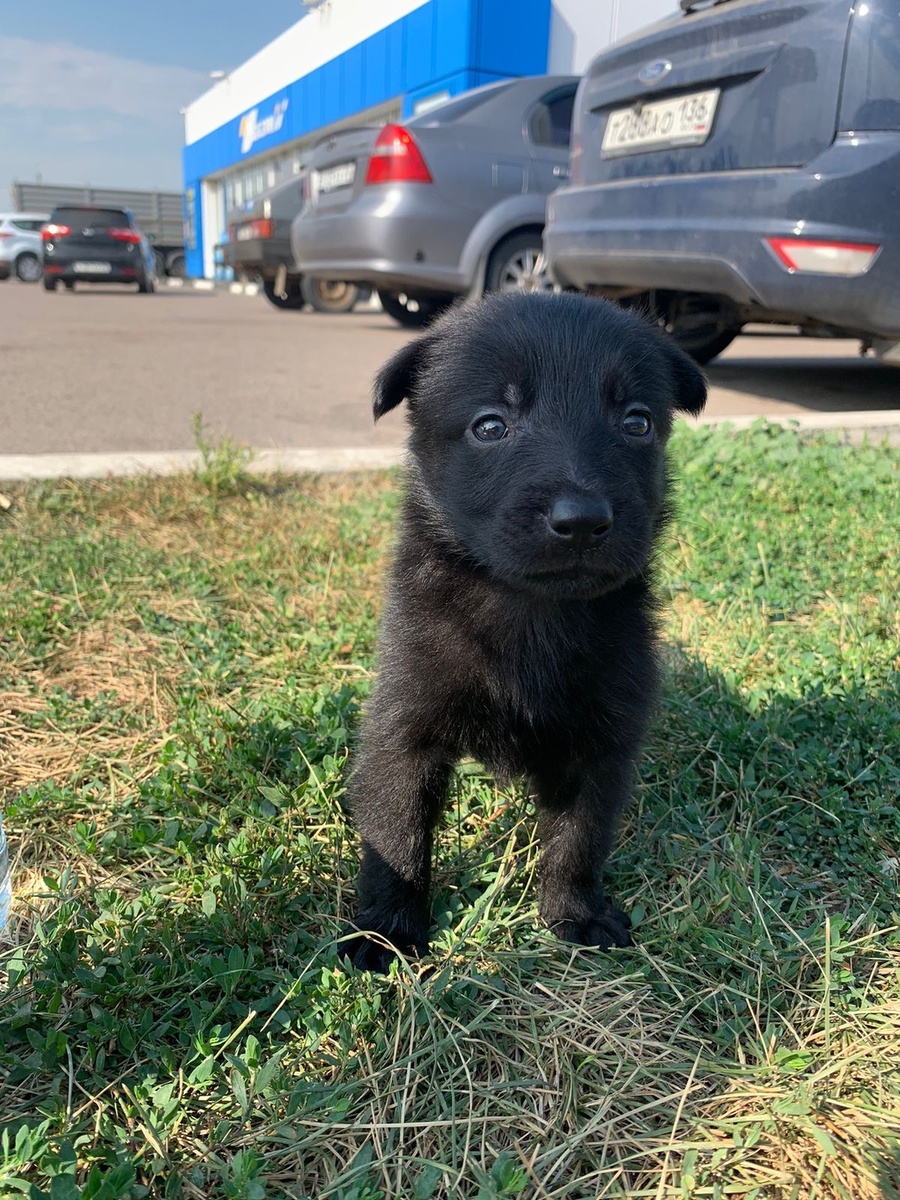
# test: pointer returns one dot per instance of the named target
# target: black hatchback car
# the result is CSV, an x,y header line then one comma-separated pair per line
x,y
738,162
84,244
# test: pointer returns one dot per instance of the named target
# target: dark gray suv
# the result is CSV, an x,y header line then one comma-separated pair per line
x,y
737,162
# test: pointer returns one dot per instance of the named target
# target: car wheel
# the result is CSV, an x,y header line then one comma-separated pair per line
x,y
518,265
147,285
290,298
50,284
28,268
329,297
701,326
415,312
704,349
69,285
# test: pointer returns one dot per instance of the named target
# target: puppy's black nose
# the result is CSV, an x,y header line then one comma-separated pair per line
x,y
580,521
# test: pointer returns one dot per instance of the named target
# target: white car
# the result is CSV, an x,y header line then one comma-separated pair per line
x,y
20,245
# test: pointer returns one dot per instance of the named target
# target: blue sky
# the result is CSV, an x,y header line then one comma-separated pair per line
x,y
90,89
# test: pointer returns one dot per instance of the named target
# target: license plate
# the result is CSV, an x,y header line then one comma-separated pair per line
x,y
245,233
685,121
334,178
91,268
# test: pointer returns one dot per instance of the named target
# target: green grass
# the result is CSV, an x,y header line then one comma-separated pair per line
x,y
182,663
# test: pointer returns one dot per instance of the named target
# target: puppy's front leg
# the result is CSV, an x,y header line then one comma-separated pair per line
x,y
397,796
578,811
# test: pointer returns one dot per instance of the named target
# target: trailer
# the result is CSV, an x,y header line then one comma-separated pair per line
x,y
159,214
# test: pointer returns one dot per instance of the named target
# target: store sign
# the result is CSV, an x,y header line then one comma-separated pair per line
x,y
253,127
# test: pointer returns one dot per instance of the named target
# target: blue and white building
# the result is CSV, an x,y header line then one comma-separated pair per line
x,y
347,62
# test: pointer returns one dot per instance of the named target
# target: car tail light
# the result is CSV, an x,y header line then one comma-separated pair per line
x,y
125,235
256,229
824,258
49,269
53,232
3,236
396,158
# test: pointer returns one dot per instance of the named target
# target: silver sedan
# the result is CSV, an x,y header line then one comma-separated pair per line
x,y
447,204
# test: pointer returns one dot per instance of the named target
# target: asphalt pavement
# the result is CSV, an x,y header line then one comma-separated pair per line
x,y
104,371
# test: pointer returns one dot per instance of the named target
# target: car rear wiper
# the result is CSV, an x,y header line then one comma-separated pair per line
x,y
690,5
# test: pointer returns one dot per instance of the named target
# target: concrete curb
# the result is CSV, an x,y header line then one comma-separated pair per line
x,y
14,467
17,467
873,419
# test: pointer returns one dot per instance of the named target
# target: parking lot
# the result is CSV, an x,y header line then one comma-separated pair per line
x,y
110,371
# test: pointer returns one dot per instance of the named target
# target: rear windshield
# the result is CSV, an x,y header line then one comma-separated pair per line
x,y
453,110
871,95
92,218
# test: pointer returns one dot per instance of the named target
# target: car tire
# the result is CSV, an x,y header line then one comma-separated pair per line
x,y
329,297
291,298
69,285
414,312
701,327
28,268
147,285
517,264
50,284
704,349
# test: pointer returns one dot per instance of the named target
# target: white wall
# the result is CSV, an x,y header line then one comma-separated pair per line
x,y
579,29
317,38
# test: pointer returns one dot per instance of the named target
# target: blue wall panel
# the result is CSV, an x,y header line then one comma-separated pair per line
x,y
332,108
418,31
512,39
352,81
452,37
395,55
376,68
193,222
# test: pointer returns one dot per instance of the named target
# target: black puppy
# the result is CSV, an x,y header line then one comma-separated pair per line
x,y
519,625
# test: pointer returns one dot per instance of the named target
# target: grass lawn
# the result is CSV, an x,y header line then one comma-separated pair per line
x,y
181,668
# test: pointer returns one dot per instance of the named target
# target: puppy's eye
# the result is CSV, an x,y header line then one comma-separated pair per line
x,y
490,429
637,423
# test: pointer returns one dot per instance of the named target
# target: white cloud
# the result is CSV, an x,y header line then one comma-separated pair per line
x,y
59,75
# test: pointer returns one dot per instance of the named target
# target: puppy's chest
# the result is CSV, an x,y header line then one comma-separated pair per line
x,y
521,696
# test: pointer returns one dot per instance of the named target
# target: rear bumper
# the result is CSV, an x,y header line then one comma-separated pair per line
x,y
261,256
397,239
117,274
707,234
125,265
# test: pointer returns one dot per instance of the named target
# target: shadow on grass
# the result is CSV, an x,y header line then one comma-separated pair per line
x,y
183,1019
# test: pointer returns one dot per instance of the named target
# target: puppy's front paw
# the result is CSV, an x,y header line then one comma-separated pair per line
x,y
604,930
376,950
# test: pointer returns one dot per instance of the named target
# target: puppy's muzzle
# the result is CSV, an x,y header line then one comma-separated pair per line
x,y
580,522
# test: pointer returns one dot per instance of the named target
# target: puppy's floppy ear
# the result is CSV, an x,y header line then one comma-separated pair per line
x,y
690,382
397,378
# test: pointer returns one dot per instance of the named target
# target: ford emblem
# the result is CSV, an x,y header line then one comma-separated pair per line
x,y
654,71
